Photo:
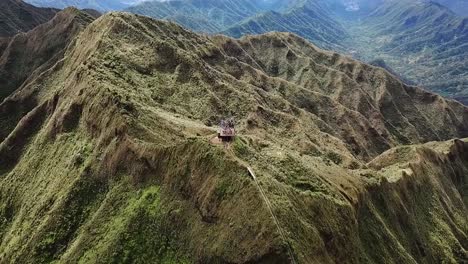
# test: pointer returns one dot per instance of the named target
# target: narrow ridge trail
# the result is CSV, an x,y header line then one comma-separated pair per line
x,y
280,230
275,219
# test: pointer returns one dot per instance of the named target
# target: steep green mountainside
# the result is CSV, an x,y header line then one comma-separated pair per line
x,y
120,136
310,22
28,52
237,18
17,16
101,5
200,15
424,42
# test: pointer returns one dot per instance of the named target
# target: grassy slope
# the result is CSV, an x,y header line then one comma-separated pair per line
x,y
123,171
17,16
308,22
424,43
204,16
26,53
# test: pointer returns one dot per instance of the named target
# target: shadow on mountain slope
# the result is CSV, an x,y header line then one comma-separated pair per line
x,y
114,163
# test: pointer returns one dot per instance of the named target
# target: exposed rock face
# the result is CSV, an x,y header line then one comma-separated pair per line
x,y
17,16
108,156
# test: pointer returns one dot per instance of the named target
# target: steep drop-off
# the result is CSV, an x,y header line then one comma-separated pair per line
x,y
204,16
424,42
17,16
31,52
101,5
113,160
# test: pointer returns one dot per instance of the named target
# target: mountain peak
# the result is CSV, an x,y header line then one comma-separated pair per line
x,y
109,151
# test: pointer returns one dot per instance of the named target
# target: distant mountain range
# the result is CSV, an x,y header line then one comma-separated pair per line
x,y
201,15
101,5
109,150
458,6
361,6
423,42
307,19
17,16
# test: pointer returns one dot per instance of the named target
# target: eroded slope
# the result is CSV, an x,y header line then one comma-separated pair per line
x,y
424,42
27,52
17,16
203,16
123,169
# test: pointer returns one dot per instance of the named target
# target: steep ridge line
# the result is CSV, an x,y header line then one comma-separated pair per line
x,y
101,128
25,57
429,52
275,219
17,16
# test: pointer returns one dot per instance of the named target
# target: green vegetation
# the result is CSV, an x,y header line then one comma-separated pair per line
x,y
335,157
402,34
206,16
241,148
113,163
314,25
423,43
68,217
140,231
18,16
223,189
21,56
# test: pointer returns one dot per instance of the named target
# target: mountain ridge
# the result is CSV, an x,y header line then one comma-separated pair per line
x,y
303,21
458,6
218,15
431,41
17,16
120,135
420,41
101,6
24,53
